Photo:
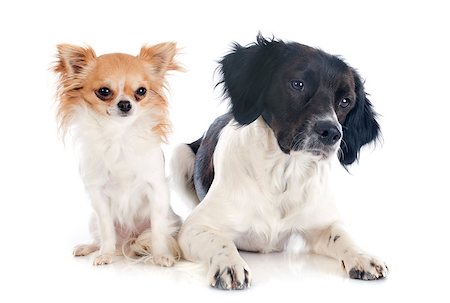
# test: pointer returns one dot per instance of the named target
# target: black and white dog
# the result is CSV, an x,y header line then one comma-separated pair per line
x,y
262,170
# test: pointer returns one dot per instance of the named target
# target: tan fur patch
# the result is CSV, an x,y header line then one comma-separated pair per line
x,y
82,74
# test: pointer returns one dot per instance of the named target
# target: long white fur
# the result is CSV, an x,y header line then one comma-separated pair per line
x,y
258,199
122,166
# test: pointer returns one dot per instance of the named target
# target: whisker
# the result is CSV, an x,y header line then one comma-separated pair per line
x,y
340,152
343,141
296,140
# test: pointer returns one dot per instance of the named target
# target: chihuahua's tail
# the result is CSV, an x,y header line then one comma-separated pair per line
x,y
182,170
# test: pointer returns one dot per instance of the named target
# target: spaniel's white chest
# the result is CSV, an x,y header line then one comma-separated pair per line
x,y
289,189
276,194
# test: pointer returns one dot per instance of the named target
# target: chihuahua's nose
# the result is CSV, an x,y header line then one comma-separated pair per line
x,y
124,106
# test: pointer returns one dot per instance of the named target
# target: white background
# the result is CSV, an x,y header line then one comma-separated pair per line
x,y
395,201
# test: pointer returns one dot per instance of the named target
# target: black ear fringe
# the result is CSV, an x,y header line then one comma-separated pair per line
x,y
245,73
360,127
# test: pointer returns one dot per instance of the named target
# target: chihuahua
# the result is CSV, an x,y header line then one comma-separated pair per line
x,y
116,109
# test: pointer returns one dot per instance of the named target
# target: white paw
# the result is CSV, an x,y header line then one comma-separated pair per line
x,y
229,273
166,253
365,267
103,259
164,260
84,249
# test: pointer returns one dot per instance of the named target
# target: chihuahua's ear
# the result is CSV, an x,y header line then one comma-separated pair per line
x,y
160,57
72,59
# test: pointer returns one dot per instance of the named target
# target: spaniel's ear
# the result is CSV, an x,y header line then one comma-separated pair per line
x,y
360,126
246,74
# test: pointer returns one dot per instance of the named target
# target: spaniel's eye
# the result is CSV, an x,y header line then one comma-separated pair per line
x,y
103,93
344,103
141,91
297,85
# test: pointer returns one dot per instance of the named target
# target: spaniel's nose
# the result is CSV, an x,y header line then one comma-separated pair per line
x,y
328,132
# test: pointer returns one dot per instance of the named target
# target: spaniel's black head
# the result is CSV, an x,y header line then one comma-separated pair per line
x,y
313,101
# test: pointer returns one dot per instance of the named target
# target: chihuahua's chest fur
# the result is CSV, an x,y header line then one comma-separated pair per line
x,y
121,159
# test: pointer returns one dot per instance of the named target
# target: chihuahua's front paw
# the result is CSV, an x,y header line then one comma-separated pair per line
x,y
229,273
365,267
166,254
164,260
103,259
84,249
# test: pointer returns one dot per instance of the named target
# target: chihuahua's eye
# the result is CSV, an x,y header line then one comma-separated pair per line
x,y
103,93
297,85
140,93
